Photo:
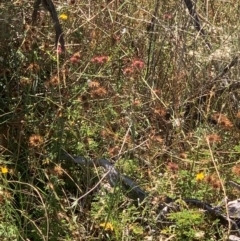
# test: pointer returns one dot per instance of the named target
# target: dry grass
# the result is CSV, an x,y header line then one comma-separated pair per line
x,y
137,85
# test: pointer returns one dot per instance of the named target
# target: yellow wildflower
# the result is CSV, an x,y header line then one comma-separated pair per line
x,y
63,16
107,226
200,176
4,170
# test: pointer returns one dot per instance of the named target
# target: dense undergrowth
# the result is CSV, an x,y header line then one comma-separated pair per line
x,y
137,85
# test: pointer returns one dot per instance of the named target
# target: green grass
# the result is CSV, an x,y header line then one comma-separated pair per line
x,y
120,92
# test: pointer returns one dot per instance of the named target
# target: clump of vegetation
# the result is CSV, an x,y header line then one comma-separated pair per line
x,y
139,84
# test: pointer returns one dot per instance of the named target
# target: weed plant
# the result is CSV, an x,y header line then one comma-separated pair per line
x,y
138,85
